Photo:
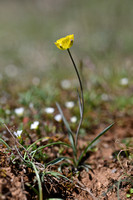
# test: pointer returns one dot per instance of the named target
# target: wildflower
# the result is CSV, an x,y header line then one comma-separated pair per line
x,y
31,105
73,119
34,125
19,111
65,42
49,110
58,118
124,81
18,133
65,84
69,104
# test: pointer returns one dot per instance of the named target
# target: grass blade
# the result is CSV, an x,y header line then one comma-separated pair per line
x,y
37,142
33,145
70,134
63,117
47,145
39,181
2,141
31,187
57,160
57,175
92,142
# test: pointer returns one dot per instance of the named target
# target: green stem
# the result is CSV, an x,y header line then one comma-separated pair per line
x,y
81,97
39,182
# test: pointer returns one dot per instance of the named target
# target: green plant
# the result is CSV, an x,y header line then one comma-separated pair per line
x,y
64,44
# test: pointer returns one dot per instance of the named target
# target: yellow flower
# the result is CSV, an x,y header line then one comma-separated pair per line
x,y
65,42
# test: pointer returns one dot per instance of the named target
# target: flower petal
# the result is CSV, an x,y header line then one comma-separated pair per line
x,y
65,42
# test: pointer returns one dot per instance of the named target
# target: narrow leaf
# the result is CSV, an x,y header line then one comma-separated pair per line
x,y
39,181
62,165
70,134
2,141
92,142
63,117
57,175
47,145
57,160
33,145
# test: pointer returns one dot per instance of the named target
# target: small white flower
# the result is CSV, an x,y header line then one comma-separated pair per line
x,y
18,133
65,84
31,105
34,125
124,81
104,97
58,118
73,119
49,110
69,104
19,111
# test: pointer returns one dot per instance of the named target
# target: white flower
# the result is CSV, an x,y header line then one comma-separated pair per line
x,y
65,84
18,133
73,119
31,105
104,97
19,111
58,118
49,110
34,125
124,81
69,104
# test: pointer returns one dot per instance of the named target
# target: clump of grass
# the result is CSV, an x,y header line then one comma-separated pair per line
x,y
27,157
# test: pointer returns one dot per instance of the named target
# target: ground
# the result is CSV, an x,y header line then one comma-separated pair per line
x,y
110,177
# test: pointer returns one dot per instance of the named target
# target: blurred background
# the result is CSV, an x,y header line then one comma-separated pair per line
x,y
103,45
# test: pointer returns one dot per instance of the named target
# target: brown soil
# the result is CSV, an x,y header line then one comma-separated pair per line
x,y
108,172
